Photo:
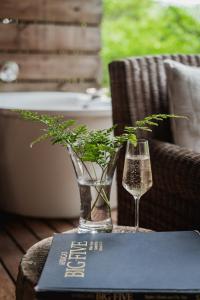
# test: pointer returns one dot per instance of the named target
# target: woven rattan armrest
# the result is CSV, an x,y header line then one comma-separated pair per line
x,y
173,203
176,169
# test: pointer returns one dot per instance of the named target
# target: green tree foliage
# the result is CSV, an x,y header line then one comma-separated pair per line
x,y
142,27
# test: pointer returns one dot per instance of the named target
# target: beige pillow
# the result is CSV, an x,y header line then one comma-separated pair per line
x,y
184,99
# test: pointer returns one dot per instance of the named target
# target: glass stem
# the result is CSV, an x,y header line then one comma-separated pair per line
x,y
137,202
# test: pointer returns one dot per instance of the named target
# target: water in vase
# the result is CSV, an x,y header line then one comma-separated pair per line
x,y
95,214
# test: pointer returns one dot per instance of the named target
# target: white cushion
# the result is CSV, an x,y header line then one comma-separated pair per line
x,y
184,99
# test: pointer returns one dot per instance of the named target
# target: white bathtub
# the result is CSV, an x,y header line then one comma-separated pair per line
x,y
40,181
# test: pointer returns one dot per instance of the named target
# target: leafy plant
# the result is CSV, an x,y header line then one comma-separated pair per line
x,y
90,145
94,146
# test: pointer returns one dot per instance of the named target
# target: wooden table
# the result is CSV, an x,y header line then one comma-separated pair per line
x,y
33,261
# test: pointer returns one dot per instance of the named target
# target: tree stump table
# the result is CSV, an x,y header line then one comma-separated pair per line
x,y
33,261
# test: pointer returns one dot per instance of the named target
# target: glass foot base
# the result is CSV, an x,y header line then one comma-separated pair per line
x,y
95,227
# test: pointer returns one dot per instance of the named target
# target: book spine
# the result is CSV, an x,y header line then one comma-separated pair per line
x,y
118,296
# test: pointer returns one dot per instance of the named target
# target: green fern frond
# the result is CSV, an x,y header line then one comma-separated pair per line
x,y
153,120
133,139
91,145
149,121
40,139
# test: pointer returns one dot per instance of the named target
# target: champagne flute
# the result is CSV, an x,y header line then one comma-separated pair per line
x,y
137,175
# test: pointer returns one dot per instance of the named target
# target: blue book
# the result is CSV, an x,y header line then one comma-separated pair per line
x,y
122,266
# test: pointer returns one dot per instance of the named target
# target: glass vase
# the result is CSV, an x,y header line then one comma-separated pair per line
x,y
94,184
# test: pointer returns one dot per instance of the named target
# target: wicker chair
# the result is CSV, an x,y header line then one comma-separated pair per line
x,y
138,88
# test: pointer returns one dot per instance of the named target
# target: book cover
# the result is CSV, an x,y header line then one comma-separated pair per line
x,y
120,266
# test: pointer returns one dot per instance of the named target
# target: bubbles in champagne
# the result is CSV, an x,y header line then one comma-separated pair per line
x,y
137,176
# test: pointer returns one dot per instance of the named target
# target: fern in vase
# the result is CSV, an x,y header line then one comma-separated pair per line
x,y
94,155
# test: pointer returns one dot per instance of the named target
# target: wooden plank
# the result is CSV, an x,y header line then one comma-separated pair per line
x,y
52,66
10,254
68,11
7,287
60,225
37,37
46,86
20,234
39,228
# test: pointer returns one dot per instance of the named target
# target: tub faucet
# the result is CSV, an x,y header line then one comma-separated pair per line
x,y
94,94
97,93
9,71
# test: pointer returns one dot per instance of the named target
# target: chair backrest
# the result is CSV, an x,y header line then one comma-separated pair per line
x,y
139,88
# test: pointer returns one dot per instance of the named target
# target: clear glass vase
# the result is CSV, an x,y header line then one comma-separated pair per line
x,y
94,184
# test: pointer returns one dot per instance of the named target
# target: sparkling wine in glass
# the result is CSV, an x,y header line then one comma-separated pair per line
x,y
137,175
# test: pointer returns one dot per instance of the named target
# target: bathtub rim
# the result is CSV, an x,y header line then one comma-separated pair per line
x,y
103,110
